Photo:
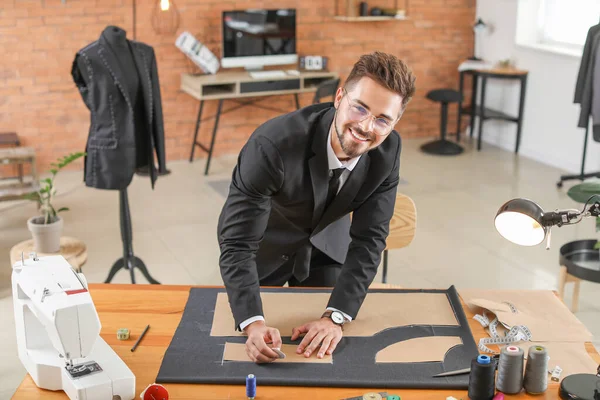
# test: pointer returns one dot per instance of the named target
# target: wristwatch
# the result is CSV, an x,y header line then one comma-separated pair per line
x,y
336,316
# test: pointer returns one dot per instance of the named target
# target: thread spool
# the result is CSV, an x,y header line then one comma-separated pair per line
x,y
481,378
510,370
536,371
251,386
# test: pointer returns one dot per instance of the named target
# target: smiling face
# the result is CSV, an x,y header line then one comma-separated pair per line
x,y
366,113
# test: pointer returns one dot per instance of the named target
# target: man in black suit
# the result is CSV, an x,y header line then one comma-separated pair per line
x,y
287,215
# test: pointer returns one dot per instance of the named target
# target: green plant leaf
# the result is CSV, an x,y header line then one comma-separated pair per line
x,y
597,245
583,191
62,209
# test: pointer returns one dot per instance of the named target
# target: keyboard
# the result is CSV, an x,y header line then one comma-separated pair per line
x,y
267,74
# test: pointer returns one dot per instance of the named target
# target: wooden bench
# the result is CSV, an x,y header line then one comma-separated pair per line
x,y
10,190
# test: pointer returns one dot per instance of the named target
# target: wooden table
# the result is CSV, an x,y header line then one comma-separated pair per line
x,y
485,113
72,249
135,306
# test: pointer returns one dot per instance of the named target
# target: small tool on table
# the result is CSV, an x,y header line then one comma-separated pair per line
x,y
495,357
140,338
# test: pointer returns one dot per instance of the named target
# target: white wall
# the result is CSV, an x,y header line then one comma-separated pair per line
x,y
550,133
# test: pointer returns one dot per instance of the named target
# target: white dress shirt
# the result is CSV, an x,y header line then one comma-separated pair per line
x,y
334,163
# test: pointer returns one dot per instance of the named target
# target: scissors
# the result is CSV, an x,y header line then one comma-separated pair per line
x,y
494,358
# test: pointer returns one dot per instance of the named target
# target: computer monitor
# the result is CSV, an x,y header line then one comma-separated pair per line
x,y
258,37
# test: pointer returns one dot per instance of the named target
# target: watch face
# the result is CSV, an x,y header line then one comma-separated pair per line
x,y
337,317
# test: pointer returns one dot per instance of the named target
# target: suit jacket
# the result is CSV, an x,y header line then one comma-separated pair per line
x,y
275,210
588,73
122,138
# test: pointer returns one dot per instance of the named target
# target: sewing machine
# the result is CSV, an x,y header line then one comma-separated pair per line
x,y
58,333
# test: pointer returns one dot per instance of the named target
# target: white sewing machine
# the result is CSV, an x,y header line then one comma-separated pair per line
x,y
58,333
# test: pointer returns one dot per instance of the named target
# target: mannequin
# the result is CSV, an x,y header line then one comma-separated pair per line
x,y
118,81
118,45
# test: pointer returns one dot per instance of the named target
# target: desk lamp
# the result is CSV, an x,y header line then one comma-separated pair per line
x,y
478,28
523,222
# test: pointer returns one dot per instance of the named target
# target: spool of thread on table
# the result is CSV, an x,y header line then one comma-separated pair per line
x,y
536,371
481,378
251,386
510,370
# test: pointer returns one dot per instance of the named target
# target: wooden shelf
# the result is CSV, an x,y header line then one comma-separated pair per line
x,y
368,18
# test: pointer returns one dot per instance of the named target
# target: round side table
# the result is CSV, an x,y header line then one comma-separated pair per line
x,y
579,261
72,249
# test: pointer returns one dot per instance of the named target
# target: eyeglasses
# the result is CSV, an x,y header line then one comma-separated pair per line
x,y
358,113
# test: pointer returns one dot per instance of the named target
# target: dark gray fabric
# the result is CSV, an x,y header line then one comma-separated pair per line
x,y
194,356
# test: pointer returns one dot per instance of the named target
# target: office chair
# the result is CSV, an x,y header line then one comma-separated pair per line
x,y
402,228
325,89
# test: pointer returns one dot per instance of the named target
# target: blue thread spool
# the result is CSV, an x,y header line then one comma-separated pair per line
x,y
251,386
483,359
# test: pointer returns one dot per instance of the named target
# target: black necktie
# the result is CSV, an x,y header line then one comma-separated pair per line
x,y
334,184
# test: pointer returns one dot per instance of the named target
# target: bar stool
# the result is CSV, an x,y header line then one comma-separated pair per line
x,y
442,146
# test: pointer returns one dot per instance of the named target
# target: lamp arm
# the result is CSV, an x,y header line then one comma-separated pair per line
x,y
570,217
561,217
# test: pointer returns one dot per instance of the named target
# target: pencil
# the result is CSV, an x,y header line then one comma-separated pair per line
x,y
140,338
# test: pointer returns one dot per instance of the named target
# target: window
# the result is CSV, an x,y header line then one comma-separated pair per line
x,y
565,23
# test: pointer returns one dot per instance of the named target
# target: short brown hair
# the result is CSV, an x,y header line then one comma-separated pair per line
x,y
387,70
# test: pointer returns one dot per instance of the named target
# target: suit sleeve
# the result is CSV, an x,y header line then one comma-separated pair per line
x,y
257,176
368,234
80,77
158,128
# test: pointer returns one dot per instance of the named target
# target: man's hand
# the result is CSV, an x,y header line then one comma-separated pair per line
x,y
256,346
323,333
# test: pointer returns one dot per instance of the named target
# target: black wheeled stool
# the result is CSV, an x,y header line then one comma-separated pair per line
x,y
442,146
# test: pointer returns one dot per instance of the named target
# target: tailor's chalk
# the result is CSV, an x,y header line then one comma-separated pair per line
x,y
280,353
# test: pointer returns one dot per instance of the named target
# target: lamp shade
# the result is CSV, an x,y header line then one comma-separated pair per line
x,y
520,221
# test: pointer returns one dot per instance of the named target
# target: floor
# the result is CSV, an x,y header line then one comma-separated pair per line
x,y
174,229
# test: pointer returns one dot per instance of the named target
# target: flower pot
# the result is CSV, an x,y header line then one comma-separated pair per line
x,y
46,237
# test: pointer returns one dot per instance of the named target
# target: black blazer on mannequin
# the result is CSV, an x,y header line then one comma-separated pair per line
x,y
118,81
275,211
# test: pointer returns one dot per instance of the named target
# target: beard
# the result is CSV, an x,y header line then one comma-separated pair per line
x,y
349,145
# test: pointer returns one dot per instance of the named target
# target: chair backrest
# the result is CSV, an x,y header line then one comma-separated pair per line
x,y
325,89
403,223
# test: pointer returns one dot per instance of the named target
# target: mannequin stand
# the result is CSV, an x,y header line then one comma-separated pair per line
x,y
128,261
581,176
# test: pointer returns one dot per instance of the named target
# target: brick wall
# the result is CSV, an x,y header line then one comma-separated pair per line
x,y
39,38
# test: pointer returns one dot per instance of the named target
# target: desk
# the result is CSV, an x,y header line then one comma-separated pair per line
x,y
486,113
135,306
234,86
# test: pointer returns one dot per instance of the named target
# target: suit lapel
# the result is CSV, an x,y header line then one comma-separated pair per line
x,y
110,62
346,194
319,166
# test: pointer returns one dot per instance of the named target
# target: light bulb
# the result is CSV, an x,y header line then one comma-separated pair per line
x,y
164,5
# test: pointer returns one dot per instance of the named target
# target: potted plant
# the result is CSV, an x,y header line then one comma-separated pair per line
x,y
46,228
